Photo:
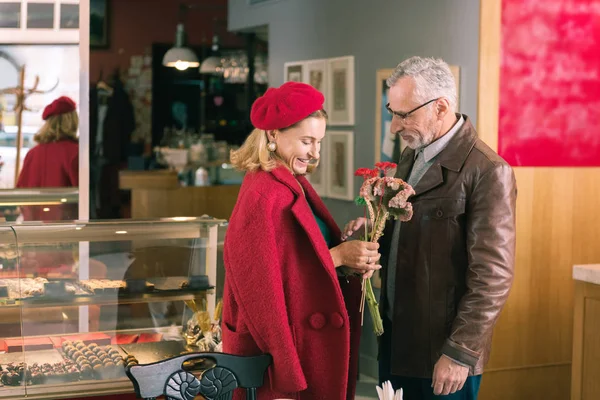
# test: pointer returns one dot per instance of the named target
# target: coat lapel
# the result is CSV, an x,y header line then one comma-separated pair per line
x,y
319,208
451,158
304,215
432,179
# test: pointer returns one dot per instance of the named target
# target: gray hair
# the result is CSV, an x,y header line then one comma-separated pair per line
x,y
432,77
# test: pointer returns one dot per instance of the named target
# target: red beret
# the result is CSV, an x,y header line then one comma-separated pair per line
x,y
59,106
282,107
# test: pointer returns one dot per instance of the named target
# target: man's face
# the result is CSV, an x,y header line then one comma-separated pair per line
x,y
419,128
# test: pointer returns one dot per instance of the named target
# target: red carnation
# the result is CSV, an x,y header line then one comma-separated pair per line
x,y
366,173
385,165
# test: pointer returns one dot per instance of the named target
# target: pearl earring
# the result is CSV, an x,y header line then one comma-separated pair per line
x,y
272,146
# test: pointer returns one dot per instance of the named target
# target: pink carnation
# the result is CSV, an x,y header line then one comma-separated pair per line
x,y
379,188
400,199
408,213
366,190
397,202
393,183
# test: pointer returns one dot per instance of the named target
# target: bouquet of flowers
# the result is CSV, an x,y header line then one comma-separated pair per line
x,y
384,197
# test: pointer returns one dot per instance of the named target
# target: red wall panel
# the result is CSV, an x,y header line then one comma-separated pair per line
x,y
550,83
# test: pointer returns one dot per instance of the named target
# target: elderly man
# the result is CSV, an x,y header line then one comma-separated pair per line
x,y
447,272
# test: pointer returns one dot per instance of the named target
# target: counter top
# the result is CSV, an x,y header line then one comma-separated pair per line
x,y
587,273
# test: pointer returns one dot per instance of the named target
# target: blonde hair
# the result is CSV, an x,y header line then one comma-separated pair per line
x,y
59,127
254,155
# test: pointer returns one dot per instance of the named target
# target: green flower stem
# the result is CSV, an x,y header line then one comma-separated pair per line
x,y
368,287
370,295
374,309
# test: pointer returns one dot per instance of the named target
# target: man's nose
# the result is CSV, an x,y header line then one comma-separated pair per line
x,y
395,125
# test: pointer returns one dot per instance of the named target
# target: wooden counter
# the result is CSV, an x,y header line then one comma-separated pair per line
x,y
157,194
585,370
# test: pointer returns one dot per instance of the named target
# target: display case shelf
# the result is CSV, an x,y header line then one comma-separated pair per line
x,y
122,279
105,299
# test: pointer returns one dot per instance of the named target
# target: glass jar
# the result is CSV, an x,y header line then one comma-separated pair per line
x,y
208,141
222,151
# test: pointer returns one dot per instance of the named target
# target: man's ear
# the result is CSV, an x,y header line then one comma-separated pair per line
x,y
442,107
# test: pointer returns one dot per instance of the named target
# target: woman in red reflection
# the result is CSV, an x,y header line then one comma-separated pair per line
x,y
54,162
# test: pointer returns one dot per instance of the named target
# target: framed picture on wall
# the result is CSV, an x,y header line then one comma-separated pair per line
x,y
99,18
340,164
315,74
455,69
340,93
293,72
387,146
318,178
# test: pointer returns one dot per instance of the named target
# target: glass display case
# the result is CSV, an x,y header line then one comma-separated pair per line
x,y
39,204
79,301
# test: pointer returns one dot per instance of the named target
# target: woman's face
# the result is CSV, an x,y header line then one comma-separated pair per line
x,y
298,145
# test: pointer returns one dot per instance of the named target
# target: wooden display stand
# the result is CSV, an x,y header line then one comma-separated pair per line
x,y
585,369
157,194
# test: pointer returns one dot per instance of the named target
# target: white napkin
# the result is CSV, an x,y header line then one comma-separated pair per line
x,y
386,392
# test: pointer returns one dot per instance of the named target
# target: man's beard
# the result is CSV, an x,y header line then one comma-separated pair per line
x,y
421,141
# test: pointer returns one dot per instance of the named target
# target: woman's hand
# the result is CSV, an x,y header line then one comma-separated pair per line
x,y
357,255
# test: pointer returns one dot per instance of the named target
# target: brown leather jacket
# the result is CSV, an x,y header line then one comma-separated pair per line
x,y
455,257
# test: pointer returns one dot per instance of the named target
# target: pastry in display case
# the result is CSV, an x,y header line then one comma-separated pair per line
x,y
81,301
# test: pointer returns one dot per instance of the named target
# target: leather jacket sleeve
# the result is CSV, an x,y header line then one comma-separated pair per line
x,y
491,253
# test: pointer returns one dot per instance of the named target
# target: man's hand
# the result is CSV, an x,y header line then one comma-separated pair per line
x,y
448,376
353,226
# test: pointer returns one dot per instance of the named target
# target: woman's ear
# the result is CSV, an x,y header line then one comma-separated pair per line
x,y
272,135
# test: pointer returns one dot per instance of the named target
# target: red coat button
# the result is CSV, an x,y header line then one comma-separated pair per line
x,y
317,321
337,321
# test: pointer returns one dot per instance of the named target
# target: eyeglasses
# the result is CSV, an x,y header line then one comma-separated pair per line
x,y
405,115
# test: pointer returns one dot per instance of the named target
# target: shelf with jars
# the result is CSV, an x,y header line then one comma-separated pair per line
x,y
198,159
86,299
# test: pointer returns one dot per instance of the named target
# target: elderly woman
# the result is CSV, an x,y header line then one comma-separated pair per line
x,y
283,292
54,162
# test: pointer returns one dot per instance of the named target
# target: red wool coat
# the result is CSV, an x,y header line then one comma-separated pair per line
x,y
282,294
51,165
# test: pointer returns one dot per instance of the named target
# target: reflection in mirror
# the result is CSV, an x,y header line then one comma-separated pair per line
x,y
31,78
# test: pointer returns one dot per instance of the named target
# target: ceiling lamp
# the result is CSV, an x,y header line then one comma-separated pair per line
x,y
212,65
179,56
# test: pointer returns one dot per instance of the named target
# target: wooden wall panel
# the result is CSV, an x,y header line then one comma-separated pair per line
x,y
558,225
542,382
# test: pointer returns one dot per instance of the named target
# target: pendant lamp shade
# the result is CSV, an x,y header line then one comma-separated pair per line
x,y
179,56
212,65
